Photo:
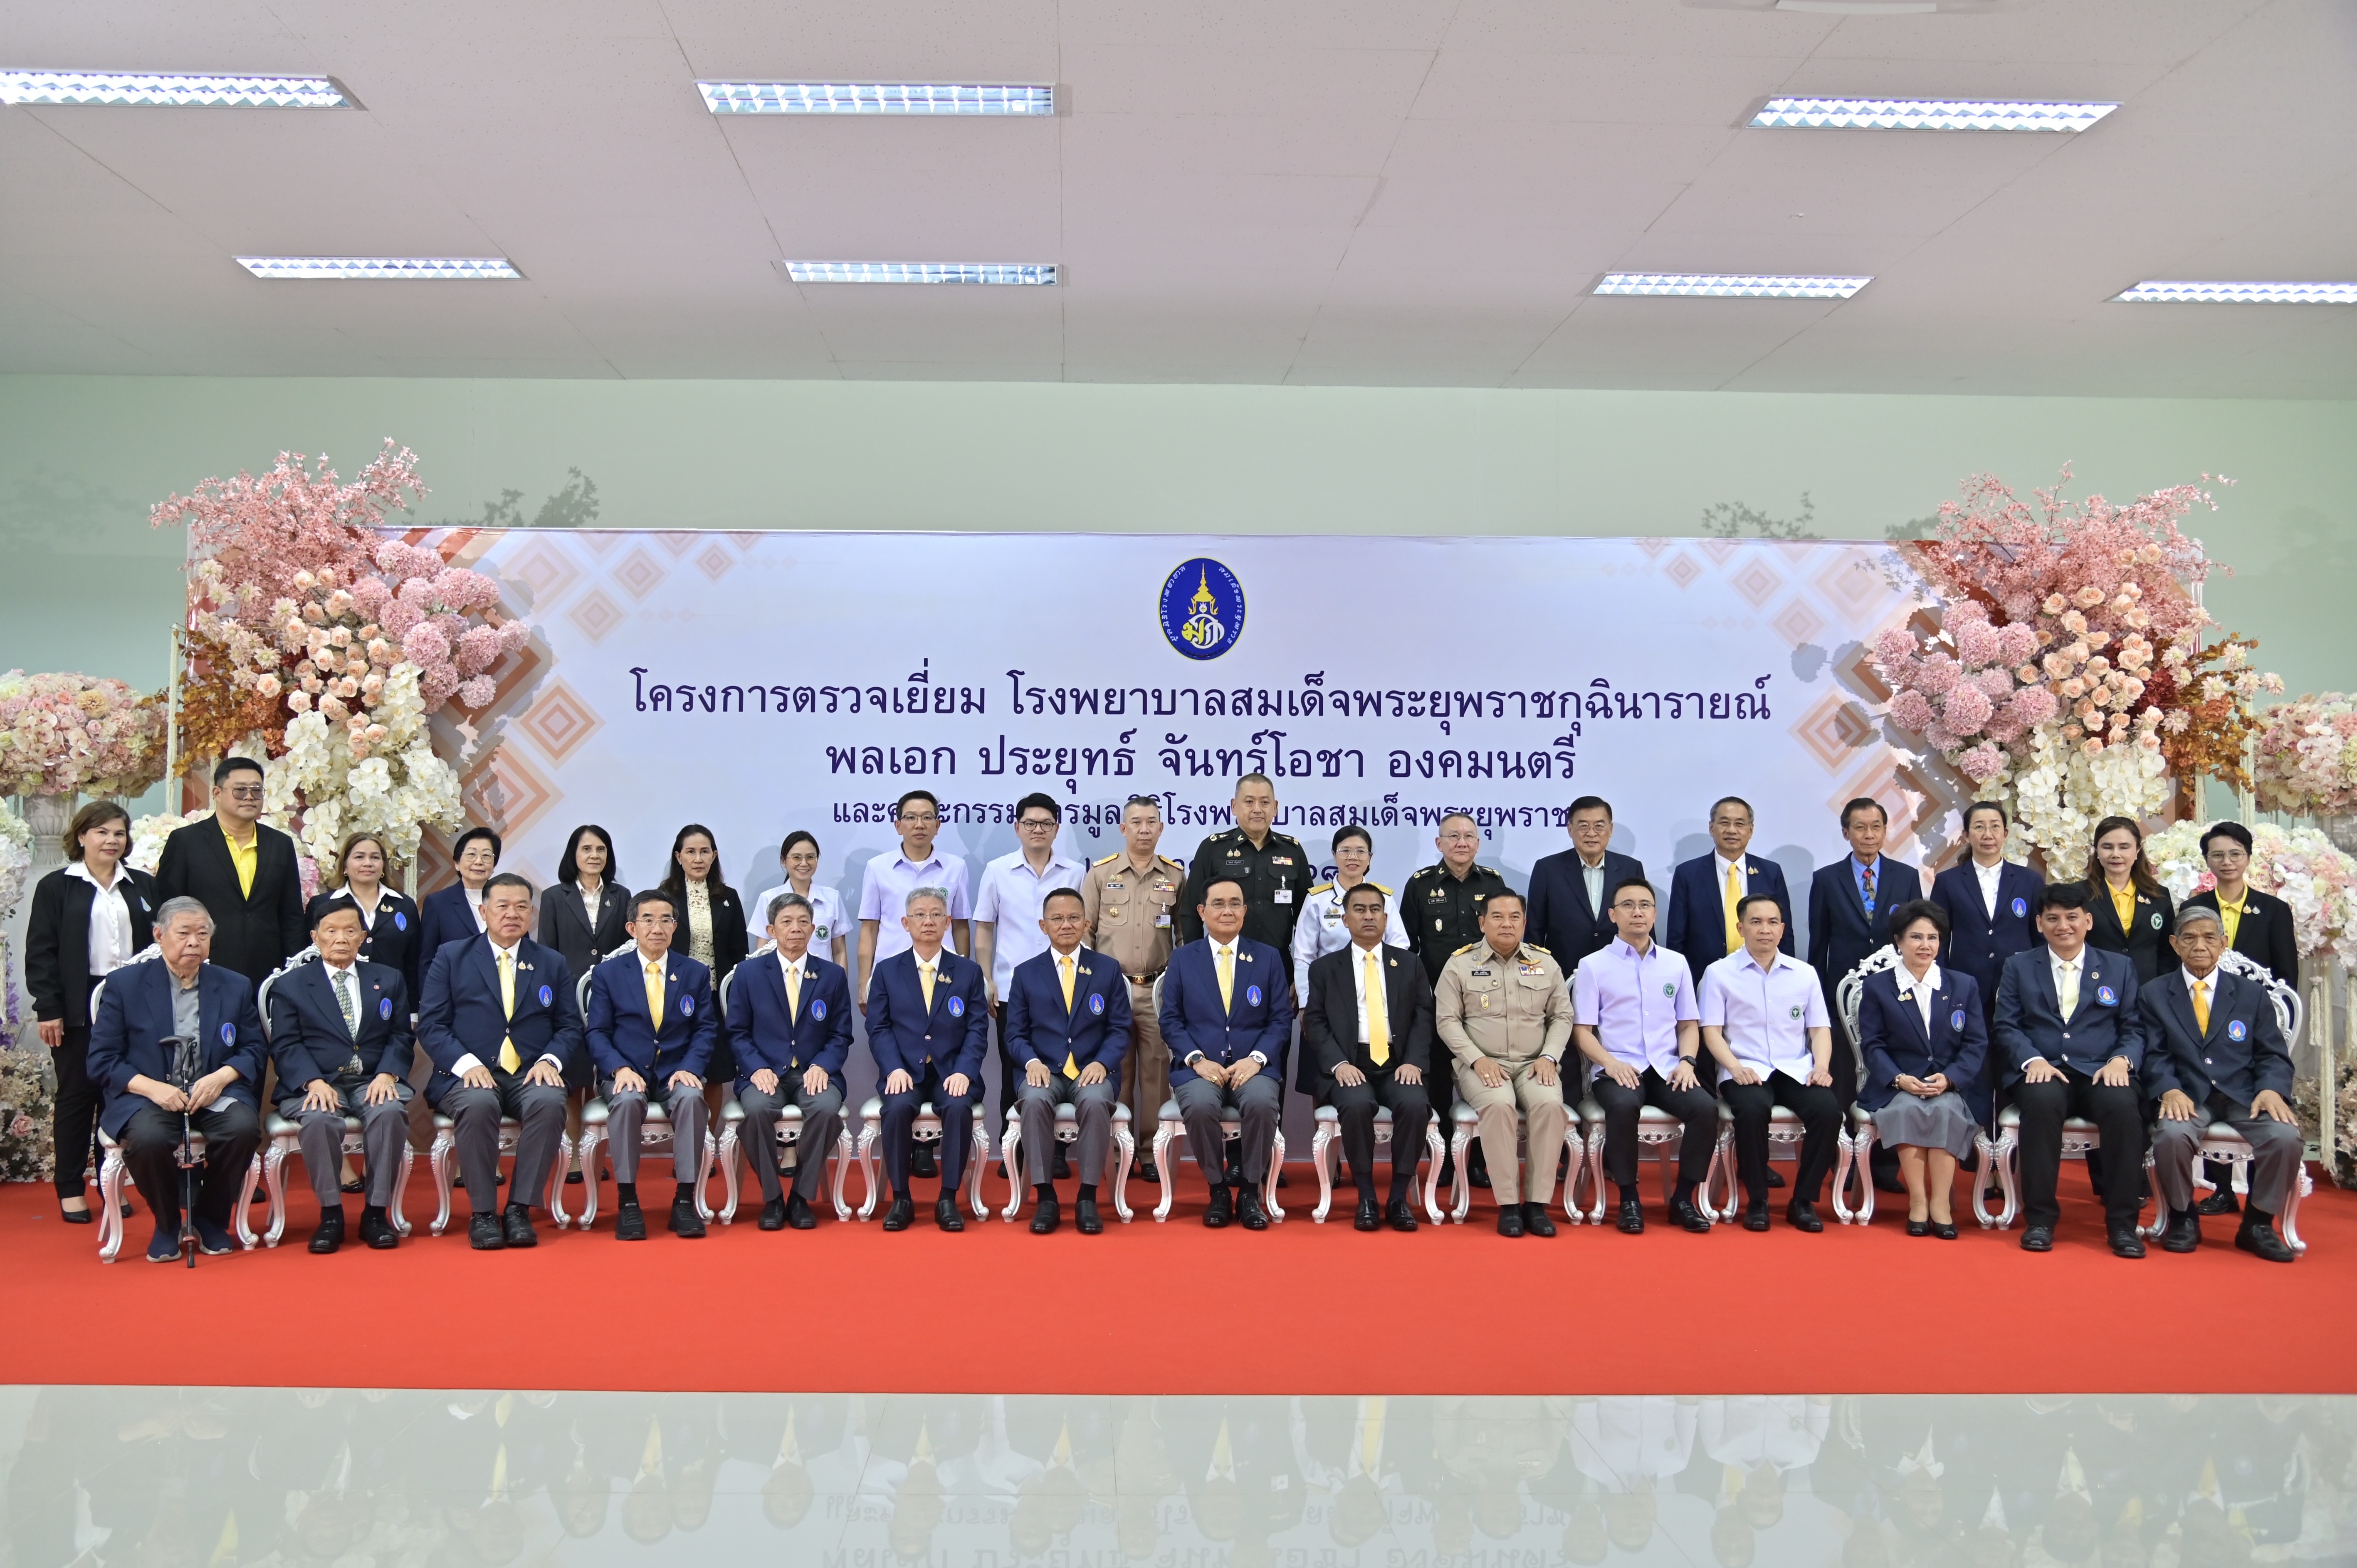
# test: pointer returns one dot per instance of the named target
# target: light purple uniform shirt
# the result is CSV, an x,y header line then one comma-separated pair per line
x,y
1767,1014
883,895
1635,1004
1011,899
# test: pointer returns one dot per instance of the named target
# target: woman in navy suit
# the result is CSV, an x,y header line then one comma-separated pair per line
x,y
1923,1037
456,914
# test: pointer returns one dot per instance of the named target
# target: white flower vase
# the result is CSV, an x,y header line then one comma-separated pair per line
x,y
2342,831
48,815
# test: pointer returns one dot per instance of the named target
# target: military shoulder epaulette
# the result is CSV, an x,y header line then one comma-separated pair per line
x,y
1317,887
1168,860
1468,947
1540,951
1108,860
1379,887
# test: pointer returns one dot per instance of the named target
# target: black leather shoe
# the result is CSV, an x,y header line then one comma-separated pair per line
x,y
1510,1219
1775,1176
920,1161
2221,1201
1802,1216
630,1223
1476,1169
946,1215
1755,1215
1535,1221
1689,1218
331,1233
798,1212
1632,1217
2259,1239
1216,1214
516,1223
483,1233
2184,1232
1401,1215
1062,1170
2126,1243
1045,1217
1232,1172
2037,1239
685,1220
1918,1228
1368,1218
1945,1233
1447,1170
213,1241
1250,1212
773,1214
77,1216
898,1215
1086,1218
1146,1170
377,1231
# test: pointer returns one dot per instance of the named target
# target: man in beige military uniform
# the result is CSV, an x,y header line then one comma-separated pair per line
x,y
1130,898
1502,1010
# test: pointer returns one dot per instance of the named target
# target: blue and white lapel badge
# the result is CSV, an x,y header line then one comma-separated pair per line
x,y
1096,1005
957,1006
2155,920
2107,997
1252,994
384,1009
818,1008
2021,907
687,1006
1956,1020
399,921
229,1034
2238,1031
546,996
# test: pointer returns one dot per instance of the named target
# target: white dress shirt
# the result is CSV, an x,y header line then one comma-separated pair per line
x,y
1010,900
1592,877
2070,978
1989,876
1381,999
1740,865
1922,992
110,918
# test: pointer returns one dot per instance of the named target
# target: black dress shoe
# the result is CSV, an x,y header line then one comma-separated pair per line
x,y
377,1231
685,1220
1045,1217
1510,1219
946,1215
2259,1239
900,1213
1402,1216
630,1223
1062,1170
483,1233
331,1233
1802,1216
2126,1243
773,1214
1918,1228
1146,1170
2221,1201
798,1212
1755,1215
2184,1232
1086,1218
1368,1218
1217,1212
1477,1167
516,1223
573,1179
1250,1211
1232,1172
1632,1218
1535,1221
1945,1233
2037,1239
1775,1176
920,1161
76,1216
1689,1218
1447,1169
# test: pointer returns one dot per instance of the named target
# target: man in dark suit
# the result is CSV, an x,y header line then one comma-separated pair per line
x,y
1367,1032
499,1018
2068,1024
1227,1014
2259,927
1703,891
789,1020
1067,1030
926,1004
1571,892
1849,922
339,1034
2213,1053
652,1023
143,1010
453,914
242,873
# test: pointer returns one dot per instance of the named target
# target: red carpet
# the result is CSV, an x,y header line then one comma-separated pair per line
x,y
1175,1308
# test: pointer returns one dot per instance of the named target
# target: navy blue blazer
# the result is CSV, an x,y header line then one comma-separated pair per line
x,y
1976,944
1841,936
622,1035
2241,1053
1096,1029
1695,923
766,1036
903,1036
1260,1017
396,940
134,1019
2145,939
307,1038
1891,1041
2030,1021
460,1014
1560,920
443,918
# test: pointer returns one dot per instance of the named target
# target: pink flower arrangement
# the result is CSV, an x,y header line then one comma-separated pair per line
x,y
2307,758
70,734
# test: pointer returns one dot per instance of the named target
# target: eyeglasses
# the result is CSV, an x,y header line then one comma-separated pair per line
x,y
913,818
243,792
1038,823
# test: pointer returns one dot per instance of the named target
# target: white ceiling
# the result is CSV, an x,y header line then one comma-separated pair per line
x,y
1369,192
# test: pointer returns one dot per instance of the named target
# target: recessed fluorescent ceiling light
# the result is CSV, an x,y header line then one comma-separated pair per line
x,y
922,271
153,90
379,266
2152,293
1923,114
1730,285
876,97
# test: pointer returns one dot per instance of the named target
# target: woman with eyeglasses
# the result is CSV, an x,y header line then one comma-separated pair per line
x,y
799,857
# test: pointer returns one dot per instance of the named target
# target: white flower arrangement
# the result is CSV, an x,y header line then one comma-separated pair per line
x,y
2298,865
397,789
16,867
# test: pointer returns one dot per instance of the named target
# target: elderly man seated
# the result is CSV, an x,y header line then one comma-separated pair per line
x,y
143,1015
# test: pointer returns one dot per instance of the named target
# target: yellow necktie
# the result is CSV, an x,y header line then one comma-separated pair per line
x,y
655,995
793,990
1371,1436
2066,993
508,1060
1379,1027
2201,1004
1733,897
1227,961
1064,973
925,978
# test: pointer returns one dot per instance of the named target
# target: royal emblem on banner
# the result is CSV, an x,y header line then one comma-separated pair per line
x,y
1202,608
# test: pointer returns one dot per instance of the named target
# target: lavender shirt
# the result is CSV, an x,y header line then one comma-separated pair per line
x,y
1635,1004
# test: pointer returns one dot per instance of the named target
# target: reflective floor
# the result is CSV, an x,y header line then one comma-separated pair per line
x,y
202,1477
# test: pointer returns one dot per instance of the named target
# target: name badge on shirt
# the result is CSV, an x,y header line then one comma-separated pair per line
x,y
1285,896
1163,919
2107,997
2237,1030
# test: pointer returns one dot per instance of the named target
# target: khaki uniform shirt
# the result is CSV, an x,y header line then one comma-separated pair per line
x,y
1130,915
1509,1009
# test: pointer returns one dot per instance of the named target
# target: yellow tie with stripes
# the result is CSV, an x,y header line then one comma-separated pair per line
x,y
508,1060
1064,973
1379,1027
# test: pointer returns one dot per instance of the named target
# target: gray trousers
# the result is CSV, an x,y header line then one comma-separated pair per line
x,y
539,1110
2275,1150
1092,1106
626,1113
1257,1106
822,1124
384,1130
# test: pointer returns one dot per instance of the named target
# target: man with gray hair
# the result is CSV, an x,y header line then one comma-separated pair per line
x,y
789,1020
926,1008
145,1010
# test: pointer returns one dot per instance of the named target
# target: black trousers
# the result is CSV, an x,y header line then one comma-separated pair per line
x,y
76,1118
1820,1113
2118,1116
1354,1105
151,1153
1692,1107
